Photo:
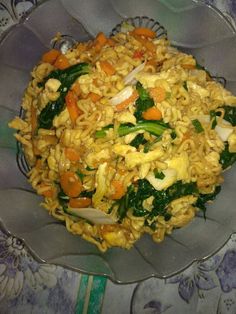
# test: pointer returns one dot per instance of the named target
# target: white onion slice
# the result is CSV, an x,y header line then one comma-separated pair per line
x,y
162,184
94,215
223,132
130,78
122,95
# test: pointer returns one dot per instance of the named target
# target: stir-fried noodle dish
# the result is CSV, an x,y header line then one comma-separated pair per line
x,y
124,136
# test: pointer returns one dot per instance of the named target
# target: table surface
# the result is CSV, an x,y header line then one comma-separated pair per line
x,y
29,287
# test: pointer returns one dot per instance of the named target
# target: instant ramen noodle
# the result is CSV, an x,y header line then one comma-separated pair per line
x,y
125,136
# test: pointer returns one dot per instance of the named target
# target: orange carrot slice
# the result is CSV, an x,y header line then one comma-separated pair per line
x,y
71,184
138,54
119,190
107,67
144,31
71,104
50,191
152,114
72,154
149,45
51,56
62,62
124,104
158,93
94,97
101,38
80,202
76,89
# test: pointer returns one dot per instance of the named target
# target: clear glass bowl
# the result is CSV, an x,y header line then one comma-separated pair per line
x,y
193,27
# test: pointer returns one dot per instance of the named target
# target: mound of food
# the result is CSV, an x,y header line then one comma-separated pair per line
x,y
125,136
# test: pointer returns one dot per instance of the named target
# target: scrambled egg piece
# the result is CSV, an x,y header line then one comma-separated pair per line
x,y
122,149
137,158
177,170
232,143
95,157
202,92
52,85
181,165
126,117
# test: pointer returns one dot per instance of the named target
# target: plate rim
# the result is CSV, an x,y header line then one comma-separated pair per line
x,y
111,277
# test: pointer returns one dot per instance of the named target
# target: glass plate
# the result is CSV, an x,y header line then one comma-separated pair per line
x,y
192,26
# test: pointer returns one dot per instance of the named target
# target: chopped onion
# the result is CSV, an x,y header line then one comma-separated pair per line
x,y
130,78
223,132
122,95
161,184
94,215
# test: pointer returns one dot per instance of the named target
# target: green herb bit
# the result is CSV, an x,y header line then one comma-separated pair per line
x,y
185,86
155,128
138,140
90,169
143,94
149,145
204,198
159,174
143,103
102,133
173,134
197,125
230,114
227,158
213,116
80,175
67,77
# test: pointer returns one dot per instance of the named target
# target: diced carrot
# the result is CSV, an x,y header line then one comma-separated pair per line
x,y
149,45
80,202
51,56
48,190
118,188
76,89
71,104
188,66
124,104
94,97
144,31
33,120
62,62
71,184
186,136
107,67
100,41
152,113
72,154
158,93
101,38
138,54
